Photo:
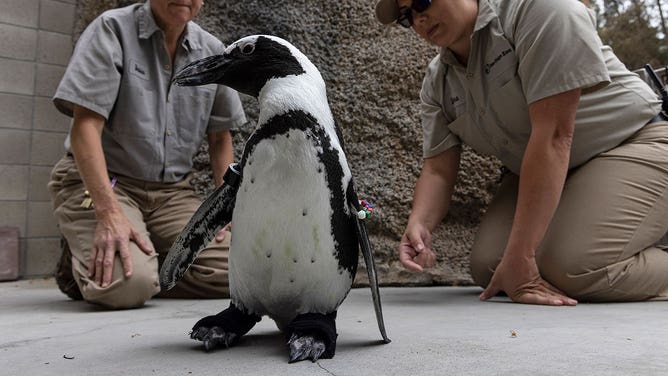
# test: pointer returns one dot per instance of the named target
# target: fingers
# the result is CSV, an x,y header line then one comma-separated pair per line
x,y
426,258
108,264
98,269
220,235
561,295
541,293
141,243
546,299
414,254
126,260
489,292
406,258
101,264
560,299
92,263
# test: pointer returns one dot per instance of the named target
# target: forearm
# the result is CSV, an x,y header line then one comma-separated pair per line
x,y
221,154
87,150
433,190
542,177
544,170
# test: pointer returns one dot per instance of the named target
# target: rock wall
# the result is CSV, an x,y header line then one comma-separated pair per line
x,y
374,75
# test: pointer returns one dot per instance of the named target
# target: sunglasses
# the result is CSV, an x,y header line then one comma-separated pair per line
x,y
406,17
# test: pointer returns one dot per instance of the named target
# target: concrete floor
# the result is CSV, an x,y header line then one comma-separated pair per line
x,y
434,331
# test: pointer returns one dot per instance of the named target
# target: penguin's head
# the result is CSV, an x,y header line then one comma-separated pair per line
x,y
246,65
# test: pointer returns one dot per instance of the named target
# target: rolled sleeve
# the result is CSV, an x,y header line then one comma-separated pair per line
x,y
558,48
227,112
93,76
437,138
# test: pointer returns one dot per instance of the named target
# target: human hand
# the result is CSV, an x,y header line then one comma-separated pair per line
x,y
113,234
415,248
520,279
220,236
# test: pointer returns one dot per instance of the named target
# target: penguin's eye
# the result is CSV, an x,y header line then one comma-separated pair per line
x,y
248,49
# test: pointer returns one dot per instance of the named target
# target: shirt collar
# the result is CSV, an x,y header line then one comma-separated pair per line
x,y
485,15
188,42
147,27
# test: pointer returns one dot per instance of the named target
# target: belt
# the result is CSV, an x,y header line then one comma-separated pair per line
x,y
659,117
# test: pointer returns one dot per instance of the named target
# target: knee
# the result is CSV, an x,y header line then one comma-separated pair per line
x,y
482,266
207,277
124,293
568,274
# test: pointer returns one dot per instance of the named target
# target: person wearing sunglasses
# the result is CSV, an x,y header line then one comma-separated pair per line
x,y
581,211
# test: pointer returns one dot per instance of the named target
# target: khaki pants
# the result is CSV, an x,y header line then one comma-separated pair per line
x,y
158,211
600,245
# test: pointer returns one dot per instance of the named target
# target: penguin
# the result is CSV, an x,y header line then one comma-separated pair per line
x,y
297,220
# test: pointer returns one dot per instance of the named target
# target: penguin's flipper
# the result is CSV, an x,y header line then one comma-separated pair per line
x,y
214,213
223,329
367,254
365,245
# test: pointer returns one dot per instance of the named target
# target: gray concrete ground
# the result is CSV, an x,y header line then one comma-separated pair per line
x,y
434,331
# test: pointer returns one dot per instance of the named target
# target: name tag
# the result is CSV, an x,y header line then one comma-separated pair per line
x,y
138,70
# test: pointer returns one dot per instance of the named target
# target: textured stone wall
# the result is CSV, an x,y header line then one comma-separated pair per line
x,y
374,76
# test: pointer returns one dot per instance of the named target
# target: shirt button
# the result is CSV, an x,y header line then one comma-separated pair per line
x,y
482,112
167,67
469,75
169,133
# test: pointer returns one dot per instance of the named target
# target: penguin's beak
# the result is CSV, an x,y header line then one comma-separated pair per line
x,y
201,72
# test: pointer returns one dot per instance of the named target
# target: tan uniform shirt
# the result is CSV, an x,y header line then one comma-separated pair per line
x,y
523,51
120,69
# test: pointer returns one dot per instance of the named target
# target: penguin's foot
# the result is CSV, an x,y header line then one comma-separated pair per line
x,y
312,336
304,347
213,337
223,329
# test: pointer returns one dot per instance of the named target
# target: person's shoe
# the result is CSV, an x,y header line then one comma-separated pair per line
x,y
64,277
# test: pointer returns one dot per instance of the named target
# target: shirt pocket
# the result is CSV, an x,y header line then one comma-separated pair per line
x,y
470,134
508,102
134,113
138,70
192,112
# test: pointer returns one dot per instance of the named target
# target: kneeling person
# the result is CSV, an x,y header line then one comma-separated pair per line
x,y
122,194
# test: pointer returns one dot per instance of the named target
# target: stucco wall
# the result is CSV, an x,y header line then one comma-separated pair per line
x,y
374,76
35,46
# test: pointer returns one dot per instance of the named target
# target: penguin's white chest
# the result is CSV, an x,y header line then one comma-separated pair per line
x,y
282,259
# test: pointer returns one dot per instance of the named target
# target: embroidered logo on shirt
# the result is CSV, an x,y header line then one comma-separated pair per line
x,y
138,70
488,66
